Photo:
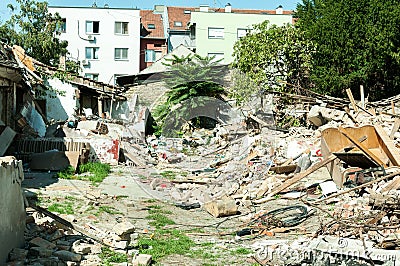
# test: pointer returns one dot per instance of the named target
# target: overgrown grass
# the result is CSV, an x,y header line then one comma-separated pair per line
x,y
164,243
159,220
158,209
108,256
97,172
107,209
62,208
241,251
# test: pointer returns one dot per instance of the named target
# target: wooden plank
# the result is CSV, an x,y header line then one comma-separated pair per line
x,y
395,128
388,146
361,146
393,185
351,98
298,177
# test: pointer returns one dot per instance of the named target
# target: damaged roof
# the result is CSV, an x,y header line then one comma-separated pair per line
x,y
151,25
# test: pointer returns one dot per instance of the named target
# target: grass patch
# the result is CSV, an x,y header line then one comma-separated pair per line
x,y
62,208
107,209
158,209
150,201
67,173
165,243
168,174
241,251
108,256
159,220
97,172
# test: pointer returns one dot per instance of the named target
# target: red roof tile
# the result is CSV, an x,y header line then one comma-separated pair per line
x,y
148,17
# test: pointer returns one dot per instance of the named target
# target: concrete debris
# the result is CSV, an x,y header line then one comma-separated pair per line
x,y
142,260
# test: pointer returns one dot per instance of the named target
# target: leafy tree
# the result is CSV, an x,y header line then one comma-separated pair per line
x,y
357,43
188,78
33,28
273,58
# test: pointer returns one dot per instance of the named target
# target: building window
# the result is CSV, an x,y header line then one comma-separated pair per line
x,y
178,23
92,27
151,26
121,54
116,76
217,57
150,56
92,53
62,25
92,76
121,28
242,32
215,33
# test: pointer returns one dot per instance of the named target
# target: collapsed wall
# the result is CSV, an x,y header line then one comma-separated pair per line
x,y
12,210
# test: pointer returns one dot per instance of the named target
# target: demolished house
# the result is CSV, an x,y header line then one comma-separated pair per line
x,y
326,191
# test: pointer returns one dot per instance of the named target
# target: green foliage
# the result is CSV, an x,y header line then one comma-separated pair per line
x,y
188,77
33,28
109,256
271,58
166,242
62,208
98,171
159,220
107,209
67,173
357,43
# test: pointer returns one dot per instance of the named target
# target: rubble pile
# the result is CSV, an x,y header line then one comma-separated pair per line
x,y
49,242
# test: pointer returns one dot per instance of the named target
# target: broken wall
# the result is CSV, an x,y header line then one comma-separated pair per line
x,y
12,218
61,105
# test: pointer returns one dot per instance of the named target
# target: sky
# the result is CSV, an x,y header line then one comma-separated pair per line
x,y
149,4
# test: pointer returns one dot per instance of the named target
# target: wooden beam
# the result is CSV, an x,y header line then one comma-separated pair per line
x,y
395,128
388,146
362,147
299,176
351,98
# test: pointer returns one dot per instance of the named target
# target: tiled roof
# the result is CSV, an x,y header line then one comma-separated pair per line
x,y
148,17
178,14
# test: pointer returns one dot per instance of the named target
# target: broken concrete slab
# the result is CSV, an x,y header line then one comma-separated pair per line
x,y
49,161
6,138
68,256
221,207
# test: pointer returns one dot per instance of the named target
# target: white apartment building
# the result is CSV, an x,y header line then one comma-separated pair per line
x,y
105,40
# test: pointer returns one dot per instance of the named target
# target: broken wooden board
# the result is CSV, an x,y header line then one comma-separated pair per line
x,y
6,138
300,176
225,206
395,128
393,185
388,146
361,146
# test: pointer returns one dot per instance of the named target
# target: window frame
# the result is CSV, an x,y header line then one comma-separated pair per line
x,y
121,23
92,28
216,36
121,58
178,24
94,52
92,76
247,30
153,59
152,27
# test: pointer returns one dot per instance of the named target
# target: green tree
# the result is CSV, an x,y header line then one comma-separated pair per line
x,y
357,43
33,28
190,77
273,58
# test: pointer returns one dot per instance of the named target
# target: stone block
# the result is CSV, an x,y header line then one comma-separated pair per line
x,y
40,252
40,242
124,228
142,260
68,256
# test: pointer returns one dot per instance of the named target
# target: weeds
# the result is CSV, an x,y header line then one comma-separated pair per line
x,y
107,209
166,242
108,257
159,220
62,208
98,171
